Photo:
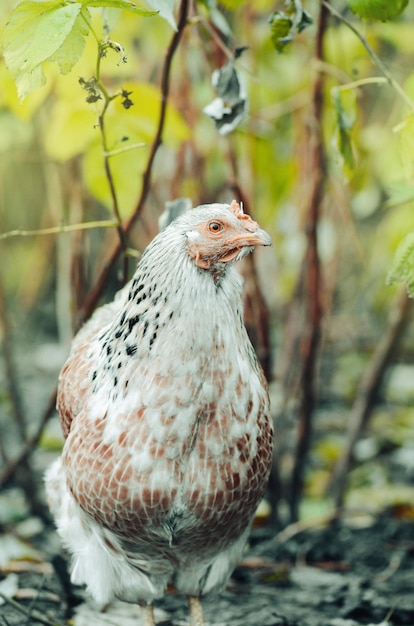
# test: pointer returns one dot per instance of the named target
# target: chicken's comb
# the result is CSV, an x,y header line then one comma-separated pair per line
x,y
238,210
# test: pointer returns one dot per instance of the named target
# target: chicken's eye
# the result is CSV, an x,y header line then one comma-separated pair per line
x,y
215,227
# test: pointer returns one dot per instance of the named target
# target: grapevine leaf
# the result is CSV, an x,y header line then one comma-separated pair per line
x,y
71,49
34,34
402,266
165,8
382,10
121,4
28,82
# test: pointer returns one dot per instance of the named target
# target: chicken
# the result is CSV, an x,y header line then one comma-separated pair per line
x,y
165,414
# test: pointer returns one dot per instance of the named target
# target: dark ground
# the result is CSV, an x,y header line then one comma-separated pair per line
x,y
337,576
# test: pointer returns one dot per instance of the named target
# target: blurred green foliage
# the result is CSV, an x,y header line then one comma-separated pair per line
x,y
52,158
367,134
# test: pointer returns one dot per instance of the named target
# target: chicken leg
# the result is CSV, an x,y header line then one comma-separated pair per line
x,y
196,611
148,615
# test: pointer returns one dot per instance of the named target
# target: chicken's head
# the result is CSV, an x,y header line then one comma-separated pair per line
x,y
226,235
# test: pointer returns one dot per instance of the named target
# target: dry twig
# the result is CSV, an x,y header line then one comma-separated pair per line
x,y
368,390
32,615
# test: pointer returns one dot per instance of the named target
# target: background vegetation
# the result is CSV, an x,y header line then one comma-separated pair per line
x,y
102,123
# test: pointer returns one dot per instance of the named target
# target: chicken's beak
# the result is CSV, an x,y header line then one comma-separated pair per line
x,y
261,238
258,237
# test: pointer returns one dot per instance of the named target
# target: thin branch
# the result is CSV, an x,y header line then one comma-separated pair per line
x,y
111,183
123,242
56,230
10,369
101,280
30,614
297,528
368,391
355,84
132,146
107,165
89,25
29,445
380,65
199,19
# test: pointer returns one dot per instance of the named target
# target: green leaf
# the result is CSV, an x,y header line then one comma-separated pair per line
x,y
285,25
399,193
402,267
127,5
281,30
304,21
165,8
28,82
345,119
70,51
382,10
9,99
34,34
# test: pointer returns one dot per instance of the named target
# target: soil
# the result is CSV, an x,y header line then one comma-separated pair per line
x,y
333,576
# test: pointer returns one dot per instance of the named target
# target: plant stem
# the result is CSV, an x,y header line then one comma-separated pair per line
x,y
100,282
380,65
371,80
89,25
30,614
310,339
55,230
213,34
10,368
132,146
106,151
29,445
